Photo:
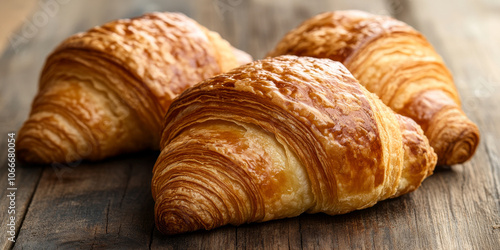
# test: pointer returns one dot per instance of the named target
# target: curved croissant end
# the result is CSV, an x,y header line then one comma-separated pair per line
x,y
397,63
105,91
277,138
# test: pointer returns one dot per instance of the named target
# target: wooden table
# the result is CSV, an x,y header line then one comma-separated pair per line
x,y
108,204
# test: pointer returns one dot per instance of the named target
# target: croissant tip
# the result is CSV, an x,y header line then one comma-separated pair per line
x,y
175,222
32,151
38,143
463,149
37,152
29,157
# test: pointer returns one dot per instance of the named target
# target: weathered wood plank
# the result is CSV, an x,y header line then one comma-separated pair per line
x,y
221,238
26,181
92,205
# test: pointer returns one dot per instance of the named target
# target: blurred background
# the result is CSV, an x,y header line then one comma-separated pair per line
x,y
12,15
241,22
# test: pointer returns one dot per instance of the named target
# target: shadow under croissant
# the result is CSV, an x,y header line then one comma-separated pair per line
x,y
395,216
61,170
308,229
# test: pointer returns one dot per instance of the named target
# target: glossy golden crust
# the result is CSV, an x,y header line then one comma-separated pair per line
x,y
105,91
396,62
279,137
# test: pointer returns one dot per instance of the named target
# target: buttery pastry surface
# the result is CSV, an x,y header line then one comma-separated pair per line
x,y
279,137
105,91
397,63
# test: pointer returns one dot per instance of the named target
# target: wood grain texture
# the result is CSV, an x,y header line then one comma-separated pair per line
x,y
27,180
458,208
108,202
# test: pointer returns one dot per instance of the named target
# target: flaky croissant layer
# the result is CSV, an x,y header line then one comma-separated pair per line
x,y
397,63
105,91
279,137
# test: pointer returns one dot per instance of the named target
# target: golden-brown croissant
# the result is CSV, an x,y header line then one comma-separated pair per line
x,y
279,137
397,63
105,91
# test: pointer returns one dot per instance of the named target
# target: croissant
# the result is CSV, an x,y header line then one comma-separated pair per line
x,y
397,63
105,91
279,137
